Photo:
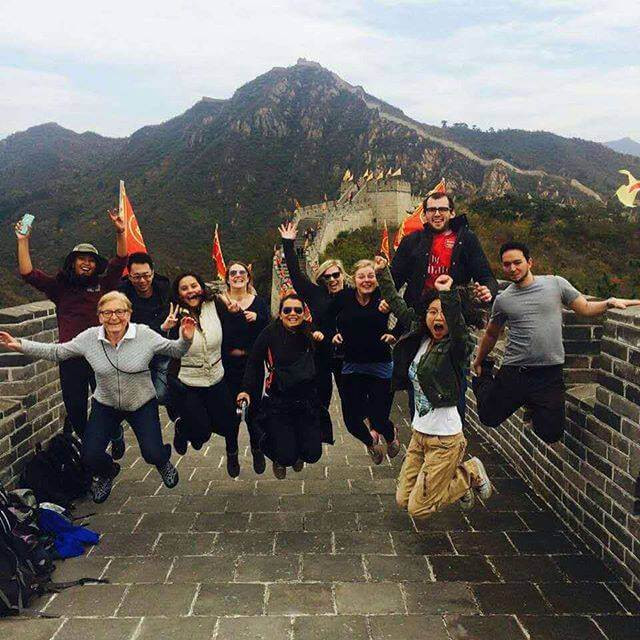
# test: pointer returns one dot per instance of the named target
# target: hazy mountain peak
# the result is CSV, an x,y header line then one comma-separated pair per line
x,y
624,145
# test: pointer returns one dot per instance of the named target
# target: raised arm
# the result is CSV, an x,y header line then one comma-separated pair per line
x,y
121,241
301,283
405,314
25,266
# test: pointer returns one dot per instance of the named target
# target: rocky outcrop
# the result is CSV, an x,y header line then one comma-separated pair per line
x,y
496,181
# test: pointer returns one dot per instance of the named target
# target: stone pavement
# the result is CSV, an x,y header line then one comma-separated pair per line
x,y
325,554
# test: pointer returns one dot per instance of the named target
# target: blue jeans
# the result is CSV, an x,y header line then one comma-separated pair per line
x,y
103,423
159,368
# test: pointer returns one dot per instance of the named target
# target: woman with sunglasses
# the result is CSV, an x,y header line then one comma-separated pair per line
x,y
119,352
330,278
238,339
366,373
199,390
291,416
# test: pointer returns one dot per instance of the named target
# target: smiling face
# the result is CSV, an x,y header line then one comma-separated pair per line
x,y
515,266
333,279
292,313
114,316
238,277
190,292
365,280
85,265
437,213
436,322
141,277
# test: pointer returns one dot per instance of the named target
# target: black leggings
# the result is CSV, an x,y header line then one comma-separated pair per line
x,y
365,396
293,430
540,389
234,367
205,410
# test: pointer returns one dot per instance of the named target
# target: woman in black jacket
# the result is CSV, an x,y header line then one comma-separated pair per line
x,y
291,416
330,279
367,369
238,339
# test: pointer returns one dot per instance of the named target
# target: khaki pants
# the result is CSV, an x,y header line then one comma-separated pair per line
x,y
433,474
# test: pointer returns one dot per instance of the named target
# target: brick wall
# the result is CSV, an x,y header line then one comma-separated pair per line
x,y
591,480
31,409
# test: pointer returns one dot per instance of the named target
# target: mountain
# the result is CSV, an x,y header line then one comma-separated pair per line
x,y
290,133
625,145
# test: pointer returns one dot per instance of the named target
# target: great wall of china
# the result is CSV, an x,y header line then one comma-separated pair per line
x,y
590,482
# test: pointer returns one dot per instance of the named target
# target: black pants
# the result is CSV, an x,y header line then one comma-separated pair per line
x,y
294,430
540,389
207,410
76,377
364,396
104,421
234,367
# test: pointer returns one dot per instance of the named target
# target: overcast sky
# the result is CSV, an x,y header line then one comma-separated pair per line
x,y
571,67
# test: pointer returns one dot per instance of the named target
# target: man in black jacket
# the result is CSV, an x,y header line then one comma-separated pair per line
x,y
446,245
149,294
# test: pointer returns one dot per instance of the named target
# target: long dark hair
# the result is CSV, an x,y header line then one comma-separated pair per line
x,y
207,294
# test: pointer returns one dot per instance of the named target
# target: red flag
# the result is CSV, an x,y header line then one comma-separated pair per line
x,y
216,254
132,232
410,224
384,244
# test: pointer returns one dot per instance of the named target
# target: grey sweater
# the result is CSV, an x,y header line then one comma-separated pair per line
x,y
123,379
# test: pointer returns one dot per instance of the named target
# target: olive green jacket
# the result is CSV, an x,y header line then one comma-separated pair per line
x,y
441,368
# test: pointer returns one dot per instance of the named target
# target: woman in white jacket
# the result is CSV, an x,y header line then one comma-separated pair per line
x,y
202,397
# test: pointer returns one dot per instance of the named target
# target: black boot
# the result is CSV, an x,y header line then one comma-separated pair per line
x,y
233,464
259,463
180,443
168,473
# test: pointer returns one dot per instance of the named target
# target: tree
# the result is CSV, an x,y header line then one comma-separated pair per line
x,y
444,124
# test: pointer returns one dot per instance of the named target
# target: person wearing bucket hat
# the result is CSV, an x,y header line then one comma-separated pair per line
x,y
85,276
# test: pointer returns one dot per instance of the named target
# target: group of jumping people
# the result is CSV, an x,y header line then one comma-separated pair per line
x,y
138,341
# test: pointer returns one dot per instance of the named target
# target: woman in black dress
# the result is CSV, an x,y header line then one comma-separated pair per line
x,y
293,419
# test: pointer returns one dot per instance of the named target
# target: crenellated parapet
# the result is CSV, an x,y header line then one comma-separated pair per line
x,y
592,478
31,409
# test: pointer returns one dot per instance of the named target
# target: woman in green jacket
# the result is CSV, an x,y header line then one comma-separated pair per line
x,y
432,357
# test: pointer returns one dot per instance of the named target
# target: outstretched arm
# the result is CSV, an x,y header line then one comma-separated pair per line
x,y
584,307
45,350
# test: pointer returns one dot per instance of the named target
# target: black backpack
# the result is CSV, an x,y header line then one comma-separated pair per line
x,y
56,474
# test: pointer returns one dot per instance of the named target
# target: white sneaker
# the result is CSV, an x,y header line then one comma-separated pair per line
x,y
467,500
483,484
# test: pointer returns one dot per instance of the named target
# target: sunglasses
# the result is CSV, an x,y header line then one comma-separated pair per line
x,y
297,310
331,276
237,272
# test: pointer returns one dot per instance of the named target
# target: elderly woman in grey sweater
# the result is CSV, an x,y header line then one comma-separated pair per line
x,y
119,352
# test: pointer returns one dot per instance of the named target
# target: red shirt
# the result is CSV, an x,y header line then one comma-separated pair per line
x,y
76,307
439,258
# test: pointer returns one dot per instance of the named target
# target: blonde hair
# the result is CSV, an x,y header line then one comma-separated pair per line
x,y
361,264
327,264
113,296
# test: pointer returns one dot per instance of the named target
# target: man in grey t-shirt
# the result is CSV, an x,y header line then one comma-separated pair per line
x,y
531,373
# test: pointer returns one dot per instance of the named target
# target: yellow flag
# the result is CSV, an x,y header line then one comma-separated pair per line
x,y
627,192
380,174
397,172
347,176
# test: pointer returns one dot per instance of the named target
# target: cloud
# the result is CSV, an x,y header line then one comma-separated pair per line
x,y
562,66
